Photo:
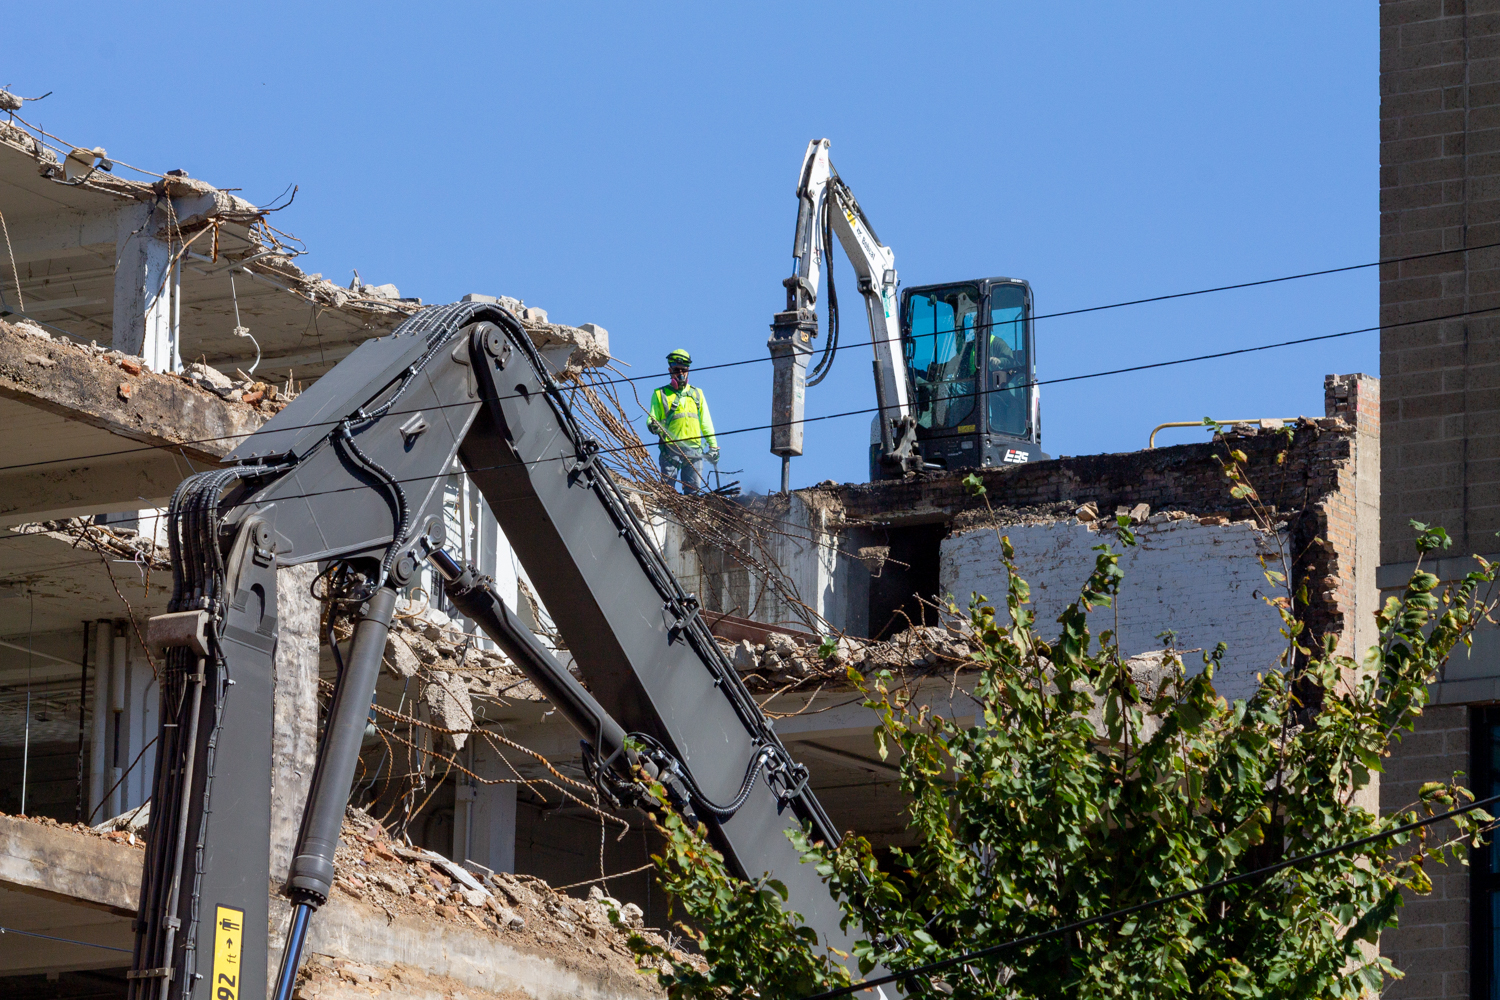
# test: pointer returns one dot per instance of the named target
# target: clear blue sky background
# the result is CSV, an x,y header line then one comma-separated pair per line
x,y
634,166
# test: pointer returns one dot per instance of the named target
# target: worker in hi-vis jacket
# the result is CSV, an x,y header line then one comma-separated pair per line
x,y
685,432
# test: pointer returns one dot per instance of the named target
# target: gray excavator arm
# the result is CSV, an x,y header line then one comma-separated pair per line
x,y
350,475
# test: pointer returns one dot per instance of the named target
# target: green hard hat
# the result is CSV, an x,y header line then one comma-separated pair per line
x,y
679,357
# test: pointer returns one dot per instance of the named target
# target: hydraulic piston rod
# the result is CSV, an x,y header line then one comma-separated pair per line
x,y
312,865
472,595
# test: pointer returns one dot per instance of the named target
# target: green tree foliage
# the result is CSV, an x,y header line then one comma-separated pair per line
x,y
1076,792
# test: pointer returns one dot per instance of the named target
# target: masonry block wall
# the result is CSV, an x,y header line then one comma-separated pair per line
x,y
1202,580
1440,191
1319,480
1431,945
1440,416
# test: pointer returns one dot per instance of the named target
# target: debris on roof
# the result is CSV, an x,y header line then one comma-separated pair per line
x,y
521,909
783,663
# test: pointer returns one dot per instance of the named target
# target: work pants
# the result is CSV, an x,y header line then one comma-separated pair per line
x,y
684,463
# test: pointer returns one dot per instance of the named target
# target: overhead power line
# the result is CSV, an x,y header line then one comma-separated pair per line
x,y
1138,302
763,359
49,937
868,410
1020,942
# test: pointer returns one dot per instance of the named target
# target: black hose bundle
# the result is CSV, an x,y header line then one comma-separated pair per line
x,y
830,348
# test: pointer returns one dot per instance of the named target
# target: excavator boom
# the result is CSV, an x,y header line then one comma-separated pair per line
x,y
350,475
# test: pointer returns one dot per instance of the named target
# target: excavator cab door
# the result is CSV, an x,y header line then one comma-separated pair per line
x,y
971,364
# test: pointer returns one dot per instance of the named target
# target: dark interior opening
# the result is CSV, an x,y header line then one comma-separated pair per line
x,y
96,984
895,595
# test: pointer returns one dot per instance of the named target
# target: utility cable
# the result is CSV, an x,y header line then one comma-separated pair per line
x,y
761,360
49,937
868,410
996,949
1136,302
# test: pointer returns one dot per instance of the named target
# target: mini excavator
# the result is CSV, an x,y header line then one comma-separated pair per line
x,y
955,364
350,476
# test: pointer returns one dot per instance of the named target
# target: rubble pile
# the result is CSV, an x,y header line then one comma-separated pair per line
x,y
522,909
264,396
456,670
432,639
128,829
784,663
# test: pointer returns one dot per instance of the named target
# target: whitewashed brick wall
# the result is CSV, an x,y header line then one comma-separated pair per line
x,y
1200,580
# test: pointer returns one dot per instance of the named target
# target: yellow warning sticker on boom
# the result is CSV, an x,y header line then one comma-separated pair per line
x,y
229,935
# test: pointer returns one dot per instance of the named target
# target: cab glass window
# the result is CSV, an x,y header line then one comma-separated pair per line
x,y
1006,390
943,354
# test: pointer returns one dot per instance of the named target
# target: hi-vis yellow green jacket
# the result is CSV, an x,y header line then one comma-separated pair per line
x,y
683,416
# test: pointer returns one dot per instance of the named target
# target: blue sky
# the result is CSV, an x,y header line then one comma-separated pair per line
x,y
634,166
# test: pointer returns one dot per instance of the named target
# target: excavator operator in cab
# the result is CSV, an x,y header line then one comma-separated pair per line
x,y
684,430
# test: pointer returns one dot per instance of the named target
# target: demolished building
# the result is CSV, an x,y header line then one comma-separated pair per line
x,y
122,369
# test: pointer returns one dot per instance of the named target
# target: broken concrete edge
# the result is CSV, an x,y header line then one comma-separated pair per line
x,y
51,167
200,413
110,540
117,393
196,204
69,862
96,175
389,913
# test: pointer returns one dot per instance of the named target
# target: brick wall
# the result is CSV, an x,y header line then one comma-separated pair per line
x,y
1182,477
1440,190
1431,945
1200,580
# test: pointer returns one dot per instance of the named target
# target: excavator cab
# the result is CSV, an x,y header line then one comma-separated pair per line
x,y
971,365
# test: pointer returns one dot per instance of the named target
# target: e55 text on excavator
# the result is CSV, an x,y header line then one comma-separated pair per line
x,y
350,476
955,363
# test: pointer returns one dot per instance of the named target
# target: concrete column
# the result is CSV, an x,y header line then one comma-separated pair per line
x,y
99,731
118,735
464,811
294,739
491,835
496,559
141,707
146,310
1356,398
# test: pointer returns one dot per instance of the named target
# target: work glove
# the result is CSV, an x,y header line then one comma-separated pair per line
x,y
655,428
713,455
